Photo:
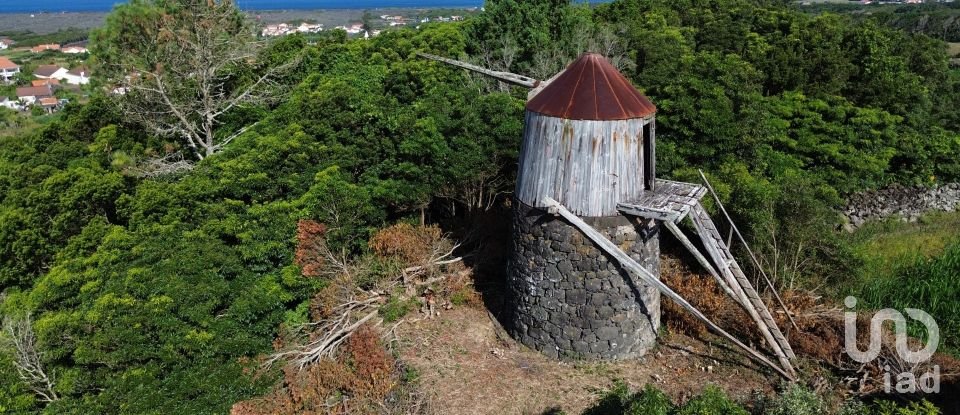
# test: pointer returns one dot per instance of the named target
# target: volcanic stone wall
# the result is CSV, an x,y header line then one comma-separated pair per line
x,y
570,300
906,203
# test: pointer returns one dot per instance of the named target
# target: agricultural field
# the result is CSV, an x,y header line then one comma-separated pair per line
x,y
953,49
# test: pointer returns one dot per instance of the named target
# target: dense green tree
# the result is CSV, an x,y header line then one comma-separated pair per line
x,y
150,294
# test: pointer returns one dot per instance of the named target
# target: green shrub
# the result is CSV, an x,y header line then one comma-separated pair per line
x,y
712,402
613,402
617,401
923,407
854,407
396,308
650,401
796,400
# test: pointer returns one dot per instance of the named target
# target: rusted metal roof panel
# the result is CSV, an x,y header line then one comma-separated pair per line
x,y
592,89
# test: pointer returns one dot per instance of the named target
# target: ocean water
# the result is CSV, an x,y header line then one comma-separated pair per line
x,y
55,6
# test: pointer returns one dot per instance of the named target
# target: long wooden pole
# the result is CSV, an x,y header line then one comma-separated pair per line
x,y
675,230
651,280
520,80
750,251
727,265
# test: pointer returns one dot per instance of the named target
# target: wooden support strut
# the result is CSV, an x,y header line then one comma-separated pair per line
x,y
649,279
672,227
733,228
728,266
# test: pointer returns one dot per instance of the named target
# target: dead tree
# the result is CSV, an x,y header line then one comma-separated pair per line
x,y
356,307
20,341
184,69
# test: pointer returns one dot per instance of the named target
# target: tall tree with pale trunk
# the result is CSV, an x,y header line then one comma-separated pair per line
x,y
182,67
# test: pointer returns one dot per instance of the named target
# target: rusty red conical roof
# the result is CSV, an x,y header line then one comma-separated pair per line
x,y
592,89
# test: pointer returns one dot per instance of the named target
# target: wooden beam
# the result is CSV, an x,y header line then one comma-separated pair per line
x,y
647,212
727,265
653,281
750,251
508,77
675,230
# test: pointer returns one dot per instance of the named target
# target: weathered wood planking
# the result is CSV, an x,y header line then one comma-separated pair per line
x,y
669,201
590,166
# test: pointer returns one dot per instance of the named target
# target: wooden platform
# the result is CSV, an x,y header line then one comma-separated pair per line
x,y
669,201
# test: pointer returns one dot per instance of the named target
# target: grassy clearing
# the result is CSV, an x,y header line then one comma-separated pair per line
x,y
927,284
913,266
954,49
884,246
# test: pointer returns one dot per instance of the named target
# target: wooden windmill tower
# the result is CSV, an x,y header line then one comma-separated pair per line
x,y
583,274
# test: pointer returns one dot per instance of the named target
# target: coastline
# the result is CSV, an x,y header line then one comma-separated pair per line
x,y
43,23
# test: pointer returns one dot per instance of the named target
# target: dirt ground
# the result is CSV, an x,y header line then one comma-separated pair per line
x,y
466,368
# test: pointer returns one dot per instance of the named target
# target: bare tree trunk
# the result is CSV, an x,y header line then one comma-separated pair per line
x,y
20,341
209,66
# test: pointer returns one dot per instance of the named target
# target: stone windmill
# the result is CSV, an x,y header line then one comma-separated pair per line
x,y
588,211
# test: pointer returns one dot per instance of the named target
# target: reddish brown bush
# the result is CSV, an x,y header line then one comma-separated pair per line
x,y
703,292
358,382
310,247
413,245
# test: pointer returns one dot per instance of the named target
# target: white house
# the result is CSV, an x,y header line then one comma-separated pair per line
x,y
276,30
30,94
49,72
8,70
77,76
74,49
309,28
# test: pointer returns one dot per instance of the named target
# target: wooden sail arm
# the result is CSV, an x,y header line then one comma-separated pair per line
x,y
508,77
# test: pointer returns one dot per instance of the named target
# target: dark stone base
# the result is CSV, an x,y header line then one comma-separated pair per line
x,y
570,300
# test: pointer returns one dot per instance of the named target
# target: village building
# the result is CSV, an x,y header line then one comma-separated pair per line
x,y
309,28
8,70
77,76
49,104
49,72
276,30
5,42
43,82
74,49
29,95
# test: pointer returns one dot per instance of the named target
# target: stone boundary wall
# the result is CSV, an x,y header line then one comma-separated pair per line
x,y
906,203
569,300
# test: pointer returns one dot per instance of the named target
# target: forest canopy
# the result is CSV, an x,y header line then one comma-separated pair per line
x,y
153,295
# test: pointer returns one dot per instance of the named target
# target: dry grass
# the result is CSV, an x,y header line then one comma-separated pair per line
x,y
954,49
